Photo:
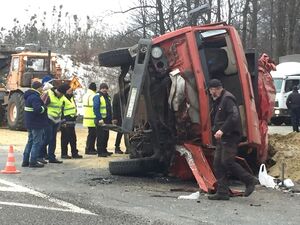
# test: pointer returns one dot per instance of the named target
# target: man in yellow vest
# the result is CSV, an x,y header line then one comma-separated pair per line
x,y
68,134
89,119
53,99
103,113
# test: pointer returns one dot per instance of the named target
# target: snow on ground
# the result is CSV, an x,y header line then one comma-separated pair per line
x,y
87,74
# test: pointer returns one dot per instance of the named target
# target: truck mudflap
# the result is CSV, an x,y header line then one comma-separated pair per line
x,y
198,164
266,102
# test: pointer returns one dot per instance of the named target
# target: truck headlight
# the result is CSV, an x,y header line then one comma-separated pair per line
x,y
276,111
156,52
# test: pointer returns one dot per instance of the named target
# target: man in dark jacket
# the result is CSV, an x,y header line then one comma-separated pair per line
x,y
226,128
103,113
293,104
35,121
68,134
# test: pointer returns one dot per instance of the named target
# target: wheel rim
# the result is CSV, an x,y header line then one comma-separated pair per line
x,y
13,112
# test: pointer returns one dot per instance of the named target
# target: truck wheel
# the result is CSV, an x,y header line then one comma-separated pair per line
x,y
115,58
133,166
15,112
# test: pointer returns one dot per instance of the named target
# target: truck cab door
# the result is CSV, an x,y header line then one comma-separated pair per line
x,y
12,78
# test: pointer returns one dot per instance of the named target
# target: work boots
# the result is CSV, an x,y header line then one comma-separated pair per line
x,y
77,156
250,187
118,150
219,196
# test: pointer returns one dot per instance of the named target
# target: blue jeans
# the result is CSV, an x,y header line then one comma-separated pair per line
x,y
47,137
52,140
33,146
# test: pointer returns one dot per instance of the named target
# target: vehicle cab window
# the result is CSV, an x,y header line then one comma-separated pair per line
x,y
15,64
290,84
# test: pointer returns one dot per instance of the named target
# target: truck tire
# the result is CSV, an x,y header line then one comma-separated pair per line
x,y
133,166
115,58
15,112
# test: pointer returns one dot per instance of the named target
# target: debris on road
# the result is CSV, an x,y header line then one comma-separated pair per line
x,y
192,196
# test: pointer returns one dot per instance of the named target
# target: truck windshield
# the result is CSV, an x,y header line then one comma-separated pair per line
x,y
36,64
278,84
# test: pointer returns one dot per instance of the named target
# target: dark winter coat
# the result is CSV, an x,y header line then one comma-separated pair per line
x,y
37,118
293,100
117,108
226,117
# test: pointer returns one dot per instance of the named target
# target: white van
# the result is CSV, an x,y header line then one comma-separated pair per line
x,y
286,76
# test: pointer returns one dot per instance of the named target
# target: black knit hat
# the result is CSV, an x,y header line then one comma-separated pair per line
x,y
36,85
63,88
93,86
214,83
103,85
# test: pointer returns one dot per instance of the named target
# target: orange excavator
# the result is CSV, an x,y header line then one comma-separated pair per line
x,y
19,67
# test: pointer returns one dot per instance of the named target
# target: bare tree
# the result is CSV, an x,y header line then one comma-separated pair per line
x,y
254,15
160,17
292,12
218,10
280,28
245,22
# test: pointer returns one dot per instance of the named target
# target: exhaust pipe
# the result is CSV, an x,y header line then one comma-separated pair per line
x,y
49,62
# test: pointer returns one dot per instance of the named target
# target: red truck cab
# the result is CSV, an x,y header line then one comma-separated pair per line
x,y
167,112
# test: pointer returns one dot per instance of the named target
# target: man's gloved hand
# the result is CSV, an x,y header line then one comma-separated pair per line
x,y
101,122
114,122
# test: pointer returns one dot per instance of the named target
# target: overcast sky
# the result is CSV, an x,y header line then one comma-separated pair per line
x,y
23,9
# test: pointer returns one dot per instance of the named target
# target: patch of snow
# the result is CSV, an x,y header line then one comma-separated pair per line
x,y
87,74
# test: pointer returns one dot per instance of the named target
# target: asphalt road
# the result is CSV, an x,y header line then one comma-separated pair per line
x,y
73,194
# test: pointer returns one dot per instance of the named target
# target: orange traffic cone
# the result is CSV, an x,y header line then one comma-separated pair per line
x,y
10,167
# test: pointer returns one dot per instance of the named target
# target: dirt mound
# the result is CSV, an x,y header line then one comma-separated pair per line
x,y
285,149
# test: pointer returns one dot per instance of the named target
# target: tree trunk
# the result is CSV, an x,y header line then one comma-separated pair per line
x,y
271,26
245,22
280,28
209,13
218,10
229,11
254,24
162,29
194,17
293,8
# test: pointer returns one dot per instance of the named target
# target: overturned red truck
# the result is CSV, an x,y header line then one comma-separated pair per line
x,y
166,114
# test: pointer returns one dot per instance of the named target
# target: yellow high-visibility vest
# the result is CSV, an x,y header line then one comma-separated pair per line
x,y
55,106
69,107
88,112
103,110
